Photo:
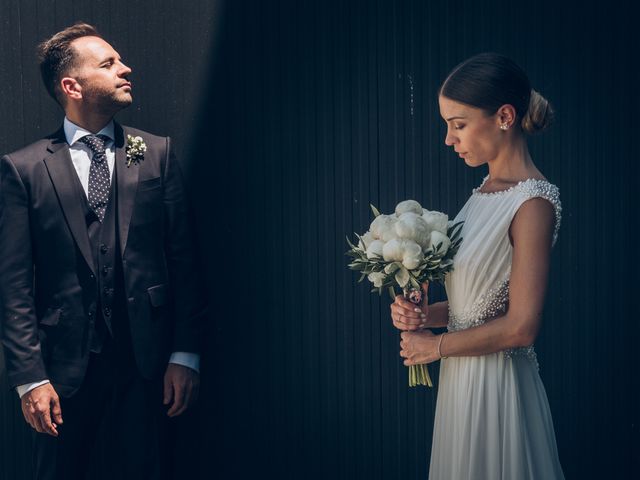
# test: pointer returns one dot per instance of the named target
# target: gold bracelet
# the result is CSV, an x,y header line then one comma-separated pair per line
x,y
440,343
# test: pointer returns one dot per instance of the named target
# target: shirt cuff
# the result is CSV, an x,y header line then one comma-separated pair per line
x,y
27,387
186,359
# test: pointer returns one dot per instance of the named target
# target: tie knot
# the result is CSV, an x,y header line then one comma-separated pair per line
x,y
96,143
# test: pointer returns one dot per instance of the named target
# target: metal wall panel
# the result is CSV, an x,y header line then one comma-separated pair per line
x,y
316,109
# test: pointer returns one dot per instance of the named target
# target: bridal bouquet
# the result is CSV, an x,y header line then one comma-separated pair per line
x,y
405,249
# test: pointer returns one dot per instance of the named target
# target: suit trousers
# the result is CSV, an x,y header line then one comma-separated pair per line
x,y
114,426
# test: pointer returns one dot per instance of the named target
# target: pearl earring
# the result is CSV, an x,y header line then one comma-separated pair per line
x,y
504,126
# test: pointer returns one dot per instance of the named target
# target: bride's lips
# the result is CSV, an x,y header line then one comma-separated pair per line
x,y
462,154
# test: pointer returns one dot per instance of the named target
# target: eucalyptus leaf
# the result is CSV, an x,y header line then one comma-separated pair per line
x,y
402,277
392,267
374,210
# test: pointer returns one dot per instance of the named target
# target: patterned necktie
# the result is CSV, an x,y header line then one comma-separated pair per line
x,y
99,177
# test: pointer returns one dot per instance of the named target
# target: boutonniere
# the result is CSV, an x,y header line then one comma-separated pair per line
x,y
135,149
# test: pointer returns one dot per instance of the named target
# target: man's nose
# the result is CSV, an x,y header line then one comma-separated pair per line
x,y
124,70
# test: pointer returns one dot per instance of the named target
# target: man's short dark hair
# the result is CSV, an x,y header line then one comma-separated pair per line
x,y
57,57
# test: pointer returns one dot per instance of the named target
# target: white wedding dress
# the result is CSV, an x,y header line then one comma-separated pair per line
x,y
492,418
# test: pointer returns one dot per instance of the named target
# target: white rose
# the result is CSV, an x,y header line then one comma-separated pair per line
x,y
411,248
411,262
412,255
375,248
412,226
436,238
408,206
436,221
377,278
390,233
365,240
393,250
381,226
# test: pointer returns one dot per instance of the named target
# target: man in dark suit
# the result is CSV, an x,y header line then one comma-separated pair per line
x,y
102,308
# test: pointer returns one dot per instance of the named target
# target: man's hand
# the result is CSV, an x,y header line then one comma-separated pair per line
x,y
181,385
41,409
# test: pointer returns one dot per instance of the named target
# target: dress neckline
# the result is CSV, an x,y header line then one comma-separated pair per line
x,y
476,191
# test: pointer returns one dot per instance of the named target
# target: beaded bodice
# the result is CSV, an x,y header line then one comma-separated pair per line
x,y
478,286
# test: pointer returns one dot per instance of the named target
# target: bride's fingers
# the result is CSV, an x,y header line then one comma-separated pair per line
x,y
414,313
399,326
402,324
406,305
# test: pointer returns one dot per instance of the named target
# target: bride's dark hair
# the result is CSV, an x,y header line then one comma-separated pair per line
x,y
490,80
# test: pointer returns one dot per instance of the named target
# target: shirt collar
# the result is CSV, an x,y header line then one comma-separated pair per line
x,y
73,132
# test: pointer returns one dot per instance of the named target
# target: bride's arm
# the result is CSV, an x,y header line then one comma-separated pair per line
x,y
531,232
438,315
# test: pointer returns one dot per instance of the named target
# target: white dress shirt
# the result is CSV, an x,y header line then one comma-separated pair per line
x,y
81,159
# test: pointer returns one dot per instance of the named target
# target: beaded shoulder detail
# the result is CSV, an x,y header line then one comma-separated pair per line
x,y
531,187
548,191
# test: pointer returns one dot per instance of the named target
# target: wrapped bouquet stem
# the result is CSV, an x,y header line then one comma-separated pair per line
x,y
404,250
418,374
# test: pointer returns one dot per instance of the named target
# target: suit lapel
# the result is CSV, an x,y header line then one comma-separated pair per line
x,y
62,174
127,184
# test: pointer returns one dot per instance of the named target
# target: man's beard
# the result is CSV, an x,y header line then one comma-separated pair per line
x,y
105,103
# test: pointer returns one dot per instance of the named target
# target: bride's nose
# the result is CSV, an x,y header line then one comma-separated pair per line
x,y
450,139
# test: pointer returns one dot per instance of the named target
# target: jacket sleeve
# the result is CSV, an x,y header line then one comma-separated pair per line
x,y
18,322
189,300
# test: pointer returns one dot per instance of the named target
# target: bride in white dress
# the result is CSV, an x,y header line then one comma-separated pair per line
x,y
492,417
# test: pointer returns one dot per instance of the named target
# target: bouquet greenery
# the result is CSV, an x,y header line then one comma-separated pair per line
x,y
403,250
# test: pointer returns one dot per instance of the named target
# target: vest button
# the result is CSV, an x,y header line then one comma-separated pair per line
x,y
90,314
104,248
106,311
105,271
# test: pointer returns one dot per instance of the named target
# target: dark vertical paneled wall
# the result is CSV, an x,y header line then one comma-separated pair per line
x,y
325,107
313,111
169,46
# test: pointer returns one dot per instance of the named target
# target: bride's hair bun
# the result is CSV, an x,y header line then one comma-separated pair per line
x,y
489,80
539,116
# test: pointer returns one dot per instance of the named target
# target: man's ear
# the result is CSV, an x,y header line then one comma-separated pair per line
x,y
71,88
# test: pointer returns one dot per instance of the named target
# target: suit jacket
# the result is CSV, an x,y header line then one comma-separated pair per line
x,y
48,288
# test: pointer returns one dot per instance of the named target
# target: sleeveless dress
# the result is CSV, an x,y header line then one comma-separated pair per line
x,y
492,417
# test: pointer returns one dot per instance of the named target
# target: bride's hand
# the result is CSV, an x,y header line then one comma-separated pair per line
x,y
419,348
407,315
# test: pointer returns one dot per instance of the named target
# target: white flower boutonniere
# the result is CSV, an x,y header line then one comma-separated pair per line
x,y
135,149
